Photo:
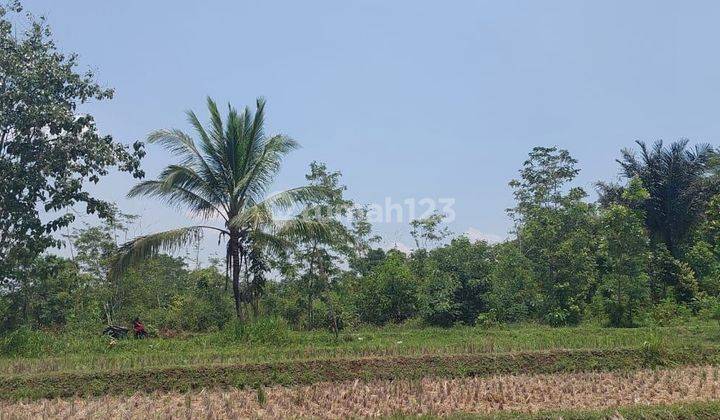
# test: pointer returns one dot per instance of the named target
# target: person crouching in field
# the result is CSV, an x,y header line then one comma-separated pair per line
x,y
139,329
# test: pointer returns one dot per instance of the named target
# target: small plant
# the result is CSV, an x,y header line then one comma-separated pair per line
x,y
651,353
261,395
487,320
709,308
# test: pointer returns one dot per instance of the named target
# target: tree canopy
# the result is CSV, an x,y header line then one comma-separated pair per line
x,y
49,150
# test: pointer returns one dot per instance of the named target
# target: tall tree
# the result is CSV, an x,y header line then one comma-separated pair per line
x,y
318,258
226,175
624,248
542,178
556,233
704,254
362,255
467,265
428,231
678,180
48,150
514,294
389,293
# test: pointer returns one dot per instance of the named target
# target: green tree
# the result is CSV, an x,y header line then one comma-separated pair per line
x,y
438,304
704,254
514,292
362,256
670,278
317,258
556,234
429,230
226,174
146,290
49,293
389,293
467,265
49,152
92,248
679,184
202,306
624,247
542,179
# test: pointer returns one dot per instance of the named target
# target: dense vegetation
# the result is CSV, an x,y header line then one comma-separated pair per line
x,y
571,261
645,253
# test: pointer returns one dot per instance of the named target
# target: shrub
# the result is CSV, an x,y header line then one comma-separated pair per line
x,y
269,330
514,293
25,342
487,320
669,312
708,308
389,293
670,277
437,300
194,313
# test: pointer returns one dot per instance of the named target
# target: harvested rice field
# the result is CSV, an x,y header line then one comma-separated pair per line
x,y
434,397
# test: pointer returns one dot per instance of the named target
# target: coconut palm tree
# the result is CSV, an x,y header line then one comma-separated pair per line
x,y
225,175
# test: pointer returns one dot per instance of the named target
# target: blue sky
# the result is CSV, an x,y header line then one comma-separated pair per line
x,y
409,99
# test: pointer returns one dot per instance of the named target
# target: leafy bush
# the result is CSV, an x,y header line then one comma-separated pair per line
x,y
514,293
389,293
487,320
25,342
437,300
193,313
708,308
204,306
669,312
670,277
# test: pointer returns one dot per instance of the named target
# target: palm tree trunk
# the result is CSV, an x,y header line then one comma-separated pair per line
x,y
235,265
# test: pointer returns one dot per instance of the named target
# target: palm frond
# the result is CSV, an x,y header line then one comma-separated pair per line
x,y
188,179
287,199
258,178
213,155
148,246
217,132
177,197
175,141
300,229
251,130
269,242
252,218
183,145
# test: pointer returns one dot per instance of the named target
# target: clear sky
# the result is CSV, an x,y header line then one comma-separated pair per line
x,y
409,99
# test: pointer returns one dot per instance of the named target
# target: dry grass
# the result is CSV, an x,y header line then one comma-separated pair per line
x,y
528,393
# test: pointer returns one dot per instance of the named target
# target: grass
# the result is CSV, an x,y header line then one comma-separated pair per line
x,y
38,364
82,353
63,384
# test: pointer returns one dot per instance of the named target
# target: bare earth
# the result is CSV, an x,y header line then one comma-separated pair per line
x,y
526,393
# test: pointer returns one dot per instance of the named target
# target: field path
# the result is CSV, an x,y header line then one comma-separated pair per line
x,y
527,393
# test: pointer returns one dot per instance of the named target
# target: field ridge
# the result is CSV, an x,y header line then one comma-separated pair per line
x,y
185,378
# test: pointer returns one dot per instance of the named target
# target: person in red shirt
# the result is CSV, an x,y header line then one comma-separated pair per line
x,y
139,329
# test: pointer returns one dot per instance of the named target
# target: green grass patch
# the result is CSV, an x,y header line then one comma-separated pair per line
x,y
38,352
